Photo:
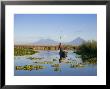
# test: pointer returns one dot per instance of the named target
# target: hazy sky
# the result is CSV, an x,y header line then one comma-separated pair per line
x,y
33,27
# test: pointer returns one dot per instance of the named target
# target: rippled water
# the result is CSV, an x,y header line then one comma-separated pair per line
x,y
65,68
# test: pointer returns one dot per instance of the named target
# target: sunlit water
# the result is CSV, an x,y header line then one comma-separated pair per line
x,y
64,68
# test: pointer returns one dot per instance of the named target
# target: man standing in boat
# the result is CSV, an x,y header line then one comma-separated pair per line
x,y
62,53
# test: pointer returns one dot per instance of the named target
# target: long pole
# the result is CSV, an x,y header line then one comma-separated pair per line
x,y
60,39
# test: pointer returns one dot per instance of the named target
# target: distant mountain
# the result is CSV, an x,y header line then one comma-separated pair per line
x,y
77,41
46,42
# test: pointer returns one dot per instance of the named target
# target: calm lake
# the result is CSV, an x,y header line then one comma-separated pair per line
x,y
48,59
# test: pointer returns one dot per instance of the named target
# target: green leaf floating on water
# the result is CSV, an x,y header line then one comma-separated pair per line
x,y
55,65
34,58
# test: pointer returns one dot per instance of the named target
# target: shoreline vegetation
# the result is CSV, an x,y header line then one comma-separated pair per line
x,y
23,51
88,52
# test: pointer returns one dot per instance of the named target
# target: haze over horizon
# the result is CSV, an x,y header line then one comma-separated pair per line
x,y
30,28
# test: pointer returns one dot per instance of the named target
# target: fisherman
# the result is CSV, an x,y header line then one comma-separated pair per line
x,y
62,53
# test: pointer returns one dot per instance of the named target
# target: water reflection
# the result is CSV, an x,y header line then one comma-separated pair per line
x,y
57,69
48,63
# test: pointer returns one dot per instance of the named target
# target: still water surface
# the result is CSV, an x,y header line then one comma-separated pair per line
x,y
64,69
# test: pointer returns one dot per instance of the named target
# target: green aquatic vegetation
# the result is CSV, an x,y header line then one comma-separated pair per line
x,y
77,66
34,58
48,62
30,67
57,69
37,67
72,66
23,51
68,62
45,62
54,59
91,61
55,65
88,50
